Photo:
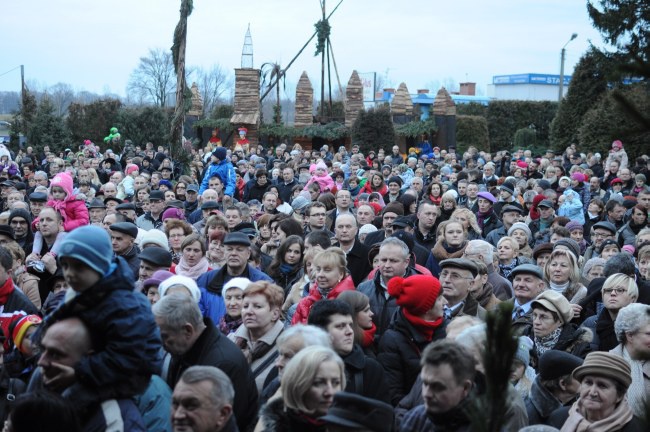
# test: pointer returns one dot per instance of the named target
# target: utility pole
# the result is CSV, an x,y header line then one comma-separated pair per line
x,y
562,55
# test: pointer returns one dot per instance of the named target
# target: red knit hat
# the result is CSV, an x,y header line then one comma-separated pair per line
x,y
522,164
20,330
417,293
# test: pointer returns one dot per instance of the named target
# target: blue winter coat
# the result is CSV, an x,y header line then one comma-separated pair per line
x,y
126,339
226,173
211,285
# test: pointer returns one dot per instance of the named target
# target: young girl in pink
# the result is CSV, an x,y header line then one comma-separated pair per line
x,y
72,209
319,175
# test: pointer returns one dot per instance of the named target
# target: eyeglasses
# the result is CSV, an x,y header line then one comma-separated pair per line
x,y
542,317
602,235
619,291
453,276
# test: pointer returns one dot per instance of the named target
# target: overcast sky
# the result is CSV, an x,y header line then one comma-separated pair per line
x,y
95,44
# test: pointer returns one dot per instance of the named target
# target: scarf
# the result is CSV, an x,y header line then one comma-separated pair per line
x,y
259,349
506,269
228,324
426,328
636,394
546,343
5,291
559,288
288,269
183,269
482,217
605,331
483,297
576,422
369,336
443,251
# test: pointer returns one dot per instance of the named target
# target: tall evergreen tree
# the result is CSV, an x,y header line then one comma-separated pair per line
x,y
47,128
588,85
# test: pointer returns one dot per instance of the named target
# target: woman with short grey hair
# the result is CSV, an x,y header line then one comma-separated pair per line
x,y
632,329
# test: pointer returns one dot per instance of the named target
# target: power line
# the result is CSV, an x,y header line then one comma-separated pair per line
x,y
11,70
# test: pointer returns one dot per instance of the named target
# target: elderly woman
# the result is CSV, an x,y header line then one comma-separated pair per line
x,y
601,405
618,291
520,232
562,275
447,205
193,262
452,241
509,258
309,382
594,268
331,278
176,231
633,332
233,295
260,310
552,329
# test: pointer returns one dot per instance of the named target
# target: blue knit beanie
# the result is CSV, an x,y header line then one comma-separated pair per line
x,y
90,245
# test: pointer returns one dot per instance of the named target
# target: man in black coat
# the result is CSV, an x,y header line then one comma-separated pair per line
x,y
193,340
364,375
346,230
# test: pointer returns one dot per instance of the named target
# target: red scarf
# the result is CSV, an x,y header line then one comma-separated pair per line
x,y
369,336
425,327
5,291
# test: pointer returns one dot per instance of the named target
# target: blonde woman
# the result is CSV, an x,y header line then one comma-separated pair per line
x,y
466,217
562,274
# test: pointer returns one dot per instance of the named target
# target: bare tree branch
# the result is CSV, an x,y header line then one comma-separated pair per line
x,y
213,84
154,78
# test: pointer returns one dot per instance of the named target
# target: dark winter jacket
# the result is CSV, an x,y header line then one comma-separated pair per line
x,y
18,301
365,376
400,349
540,403
382,307
358,264
126,339
276,418
214,349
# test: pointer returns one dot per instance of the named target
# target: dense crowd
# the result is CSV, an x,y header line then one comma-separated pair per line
x,y
284,289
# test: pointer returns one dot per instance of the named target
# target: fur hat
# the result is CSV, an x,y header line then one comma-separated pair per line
x,y
417,294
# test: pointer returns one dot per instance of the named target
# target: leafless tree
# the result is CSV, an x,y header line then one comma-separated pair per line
x,y
213,85
154,79
61,95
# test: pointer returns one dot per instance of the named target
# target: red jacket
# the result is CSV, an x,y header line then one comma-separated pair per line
x,y
303,308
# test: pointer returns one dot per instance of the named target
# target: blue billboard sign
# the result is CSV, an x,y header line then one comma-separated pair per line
x,y
530,78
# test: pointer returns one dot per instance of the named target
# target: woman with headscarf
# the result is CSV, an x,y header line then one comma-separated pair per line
x,y
601,405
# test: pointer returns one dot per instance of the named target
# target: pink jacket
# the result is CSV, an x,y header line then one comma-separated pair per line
x,y
72,210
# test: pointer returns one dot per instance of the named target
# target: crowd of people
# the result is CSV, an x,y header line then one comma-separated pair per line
x,y
285,289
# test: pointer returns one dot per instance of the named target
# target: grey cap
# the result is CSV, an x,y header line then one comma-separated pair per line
x,y
532,269
546,203
461,263
193,188
237,238
511,208
95,203
606,225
